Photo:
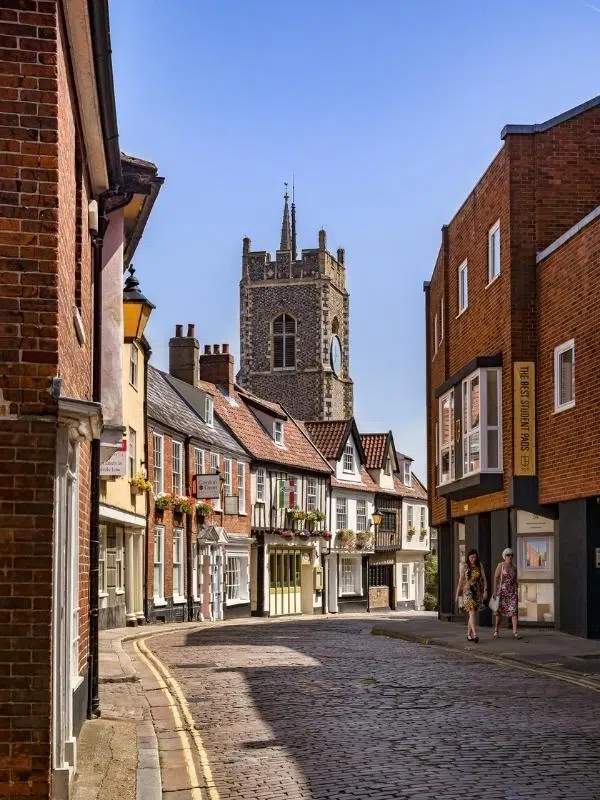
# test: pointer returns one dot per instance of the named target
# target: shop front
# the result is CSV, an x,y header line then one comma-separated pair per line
x,y
220,574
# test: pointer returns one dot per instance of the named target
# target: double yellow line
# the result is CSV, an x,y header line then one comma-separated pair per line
x,y
184,723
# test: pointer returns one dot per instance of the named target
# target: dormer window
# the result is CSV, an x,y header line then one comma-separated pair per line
x,y
278,433
406,473
209,410
349,458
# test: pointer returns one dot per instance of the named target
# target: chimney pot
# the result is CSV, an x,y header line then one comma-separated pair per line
x,y
216,349
206,349
178,330
225,348
191,331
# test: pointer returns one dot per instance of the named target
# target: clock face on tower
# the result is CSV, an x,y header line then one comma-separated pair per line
x,y
335,356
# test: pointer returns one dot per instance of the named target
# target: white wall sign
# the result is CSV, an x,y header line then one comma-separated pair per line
x,y
116,465
208,487
533,523
232,504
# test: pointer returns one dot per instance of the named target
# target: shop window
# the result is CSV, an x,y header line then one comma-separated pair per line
x,y
119,561
404,582
102,572
236,579
350,576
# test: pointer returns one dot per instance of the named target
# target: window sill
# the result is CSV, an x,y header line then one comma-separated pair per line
x,y
102,594
283,369
159,602
474,485
120,591
564,407
239,602
178,600
494,279
133,386
242,514
460,313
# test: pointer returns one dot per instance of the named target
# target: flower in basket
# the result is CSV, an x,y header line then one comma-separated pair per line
x,y
363,539
411,530
140,483
315,516
181,504
287,534
163,501
346,537
204,508
296,513
423,533
326,535
304,534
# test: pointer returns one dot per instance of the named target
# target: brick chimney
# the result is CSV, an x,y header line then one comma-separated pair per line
x,y
216,366
184,352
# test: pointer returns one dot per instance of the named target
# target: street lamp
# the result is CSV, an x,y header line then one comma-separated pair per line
x,y
377,518
136,308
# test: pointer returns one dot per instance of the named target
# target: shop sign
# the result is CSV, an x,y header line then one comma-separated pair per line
x,y
116,465
524,417
207,487
533,523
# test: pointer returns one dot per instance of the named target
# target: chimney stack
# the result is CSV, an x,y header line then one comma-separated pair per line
x,y
341,254
184,353
217,367
322,239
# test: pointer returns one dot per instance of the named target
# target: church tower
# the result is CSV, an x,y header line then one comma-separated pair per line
x,y
294,326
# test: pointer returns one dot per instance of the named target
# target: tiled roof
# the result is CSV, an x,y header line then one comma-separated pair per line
x,y
374,445
298,451
416,488
367,485
329,436
169,407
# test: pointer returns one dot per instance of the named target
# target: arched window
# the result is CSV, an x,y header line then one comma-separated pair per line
x,y
284,342
335,326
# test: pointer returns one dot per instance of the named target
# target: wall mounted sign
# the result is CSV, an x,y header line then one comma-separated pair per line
x,y
207,487
524,417
116,465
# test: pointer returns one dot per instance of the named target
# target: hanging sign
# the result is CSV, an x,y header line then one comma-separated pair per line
x,y
207,487
524,417
116,465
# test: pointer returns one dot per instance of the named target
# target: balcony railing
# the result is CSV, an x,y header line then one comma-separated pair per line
x,y
387,539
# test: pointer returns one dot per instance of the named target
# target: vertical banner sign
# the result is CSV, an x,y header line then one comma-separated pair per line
x,y
287,494
524,417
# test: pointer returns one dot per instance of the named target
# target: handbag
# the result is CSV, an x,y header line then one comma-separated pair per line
x,y
493,604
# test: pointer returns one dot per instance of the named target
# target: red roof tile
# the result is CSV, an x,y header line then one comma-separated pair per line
x,y
367,484
329,436
374,445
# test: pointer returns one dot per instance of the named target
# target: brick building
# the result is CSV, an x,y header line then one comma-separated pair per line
x,y
512,444
198,558
294,327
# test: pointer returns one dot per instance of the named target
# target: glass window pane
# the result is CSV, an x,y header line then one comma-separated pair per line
x,y
566,376
474,462
474,402
492,449
492,398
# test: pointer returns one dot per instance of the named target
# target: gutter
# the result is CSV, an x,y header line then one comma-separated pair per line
x,y
101,49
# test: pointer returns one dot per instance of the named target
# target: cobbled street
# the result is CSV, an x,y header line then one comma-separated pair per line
x,y
321,709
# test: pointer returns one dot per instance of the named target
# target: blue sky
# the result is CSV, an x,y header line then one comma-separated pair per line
x,y
386,111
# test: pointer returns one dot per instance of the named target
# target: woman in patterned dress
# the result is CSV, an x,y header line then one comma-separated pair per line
x,y
506,591
471,591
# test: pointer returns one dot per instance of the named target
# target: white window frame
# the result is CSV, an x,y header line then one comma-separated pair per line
x,y
133,366
178,565
209,410
177,461
195,593
494,264
260,484
102,567
410,517
422,512
341,513
435,333
132,453
158,450
362,522
241,470
215,466
311,494
350,576
450,445
227,473
278,432
406,473
236,591
463,287
559,351
119,560
404,581
159,565
199,460
348,461
484,427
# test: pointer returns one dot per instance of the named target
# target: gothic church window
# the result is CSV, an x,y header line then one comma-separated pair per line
x,y
284,342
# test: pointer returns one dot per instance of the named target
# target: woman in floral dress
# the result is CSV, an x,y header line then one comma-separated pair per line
x,y
471,591
506,591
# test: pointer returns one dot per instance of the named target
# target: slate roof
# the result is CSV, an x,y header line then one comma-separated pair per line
x,y
374,445
168,407
298,451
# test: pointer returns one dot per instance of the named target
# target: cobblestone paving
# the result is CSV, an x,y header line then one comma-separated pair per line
x,y
323,710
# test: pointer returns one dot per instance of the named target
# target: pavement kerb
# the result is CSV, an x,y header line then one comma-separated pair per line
x,y
562,673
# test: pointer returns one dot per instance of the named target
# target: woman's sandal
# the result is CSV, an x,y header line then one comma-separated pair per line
x,y
516,635
476,639
496,634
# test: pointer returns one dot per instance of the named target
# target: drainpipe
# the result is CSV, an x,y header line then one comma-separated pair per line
x,y
147,353
188,531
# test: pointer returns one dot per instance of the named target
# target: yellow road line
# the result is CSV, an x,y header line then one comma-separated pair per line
x,y
179,704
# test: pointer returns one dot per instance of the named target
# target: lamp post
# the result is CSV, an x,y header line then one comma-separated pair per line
x,y
377,518
136,308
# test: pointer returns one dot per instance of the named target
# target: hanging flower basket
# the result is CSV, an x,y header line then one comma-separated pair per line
x,y
285,534
325,535
163,501
203,508
139,484
304,534
296,514
423,533
181,505
364,539
411,531
346,537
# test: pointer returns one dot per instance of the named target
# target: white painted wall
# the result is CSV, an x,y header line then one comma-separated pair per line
x,y
415,544
340,473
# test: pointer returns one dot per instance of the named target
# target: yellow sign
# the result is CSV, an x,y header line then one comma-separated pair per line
x,y
524,417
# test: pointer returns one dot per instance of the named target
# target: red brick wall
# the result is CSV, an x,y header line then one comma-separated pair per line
x,y
569,442
232,523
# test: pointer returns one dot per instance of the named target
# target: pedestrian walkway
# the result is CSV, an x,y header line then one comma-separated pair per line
x,y
539,648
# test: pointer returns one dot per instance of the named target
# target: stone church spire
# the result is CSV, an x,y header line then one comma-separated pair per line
x,y
286,231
